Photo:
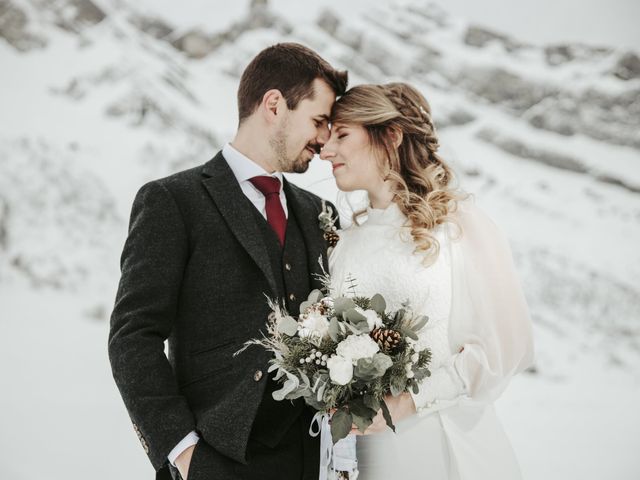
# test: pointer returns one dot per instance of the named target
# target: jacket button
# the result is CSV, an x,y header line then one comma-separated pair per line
x,y
287,267
292,297
258,375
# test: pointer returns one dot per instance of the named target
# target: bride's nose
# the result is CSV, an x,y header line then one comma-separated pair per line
x,y
327,153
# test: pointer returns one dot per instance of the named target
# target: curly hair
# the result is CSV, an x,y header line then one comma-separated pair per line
x,y
421,180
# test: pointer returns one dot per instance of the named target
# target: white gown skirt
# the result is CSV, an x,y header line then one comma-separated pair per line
x,y
452,444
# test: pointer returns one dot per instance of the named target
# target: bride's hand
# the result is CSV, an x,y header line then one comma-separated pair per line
x,y
400,407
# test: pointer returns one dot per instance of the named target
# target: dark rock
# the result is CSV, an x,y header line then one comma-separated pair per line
x,y
453,118
502,87
519,148
564,53
76,15
479,37
13,28
152,26
328,22
195,44
628,67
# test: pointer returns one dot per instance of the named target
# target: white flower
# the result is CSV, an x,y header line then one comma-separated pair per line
x,y
340,369
313,323
355,347
373,320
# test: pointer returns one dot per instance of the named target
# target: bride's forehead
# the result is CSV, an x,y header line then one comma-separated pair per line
x,y
339,125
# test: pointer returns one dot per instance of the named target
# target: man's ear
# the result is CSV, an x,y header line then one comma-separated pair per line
x,y
395,135
272,102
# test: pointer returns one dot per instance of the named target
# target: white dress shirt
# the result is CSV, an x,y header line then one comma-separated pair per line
x,y
243,169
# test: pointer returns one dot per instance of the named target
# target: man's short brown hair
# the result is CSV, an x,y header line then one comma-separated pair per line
x,y
290,68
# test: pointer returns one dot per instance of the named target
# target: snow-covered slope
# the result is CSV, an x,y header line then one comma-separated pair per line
x,y
99,97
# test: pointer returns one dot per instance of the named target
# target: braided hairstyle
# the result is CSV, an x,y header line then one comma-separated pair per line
x,y
421,180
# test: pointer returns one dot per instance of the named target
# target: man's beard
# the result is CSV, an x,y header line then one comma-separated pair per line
x,y
279,143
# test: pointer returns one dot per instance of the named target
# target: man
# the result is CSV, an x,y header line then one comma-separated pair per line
x,y
204,248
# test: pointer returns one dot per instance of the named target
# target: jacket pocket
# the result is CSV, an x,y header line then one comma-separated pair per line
x,y
209,361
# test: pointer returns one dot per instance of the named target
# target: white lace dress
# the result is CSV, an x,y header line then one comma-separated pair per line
x,y
453,436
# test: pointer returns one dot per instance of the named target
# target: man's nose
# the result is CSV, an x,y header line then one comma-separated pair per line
x,y
323,135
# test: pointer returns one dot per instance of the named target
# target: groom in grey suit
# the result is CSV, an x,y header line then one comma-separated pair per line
x,y
204,248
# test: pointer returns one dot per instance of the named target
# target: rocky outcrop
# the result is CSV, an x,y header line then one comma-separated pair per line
x,y
560,54
152,26
476,36
521,149
72,15
628,67
198,44
14,28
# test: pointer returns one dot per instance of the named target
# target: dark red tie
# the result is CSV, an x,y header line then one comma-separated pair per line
x,y
270,188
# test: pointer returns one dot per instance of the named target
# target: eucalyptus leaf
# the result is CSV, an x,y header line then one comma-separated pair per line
x,y
368,369
341,304
357,407
341,423
353,316
334,329
315,296
290,385
387,415
370,401
362,422
378,304
419,323
355,330
288,326
407,332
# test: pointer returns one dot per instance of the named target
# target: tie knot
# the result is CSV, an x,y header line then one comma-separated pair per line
x,y
267,185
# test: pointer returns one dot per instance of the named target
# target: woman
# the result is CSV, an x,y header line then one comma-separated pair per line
x,y
426,243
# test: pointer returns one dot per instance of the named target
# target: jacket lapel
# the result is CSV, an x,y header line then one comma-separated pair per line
x,y
306,214
226,193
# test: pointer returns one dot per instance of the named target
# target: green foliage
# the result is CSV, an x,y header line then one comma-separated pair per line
x,y
369,369
378,304
341,422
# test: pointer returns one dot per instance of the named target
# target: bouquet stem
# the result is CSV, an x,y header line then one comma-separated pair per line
x,y
337,461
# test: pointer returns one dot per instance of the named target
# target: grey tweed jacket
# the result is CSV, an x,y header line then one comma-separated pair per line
x,y
195,271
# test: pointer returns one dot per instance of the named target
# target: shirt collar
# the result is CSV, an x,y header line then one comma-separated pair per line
x,y
243,167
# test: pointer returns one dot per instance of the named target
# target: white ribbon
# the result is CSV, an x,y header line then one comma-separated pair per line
x,y
340,457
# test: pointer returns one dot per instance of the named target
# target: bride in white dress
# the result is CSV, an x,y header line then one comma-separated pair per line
x,y
422,241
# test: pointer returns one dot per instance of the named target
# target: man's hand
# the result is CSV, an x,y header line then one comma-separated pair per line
x,y
400,407
183,461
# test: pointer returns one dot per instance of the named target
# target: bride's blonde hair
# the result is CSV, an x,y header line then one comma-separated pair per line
x,y
421,180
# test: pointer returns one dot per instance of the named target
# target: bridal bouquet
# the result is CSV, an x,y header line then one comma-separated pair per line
x,y
343,355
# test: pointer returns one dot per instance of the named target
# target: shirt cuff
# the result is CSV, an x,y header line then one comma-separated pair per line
x,y
191,439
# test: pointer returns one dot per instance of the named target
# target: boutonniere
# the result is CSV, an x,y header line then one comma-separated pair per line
x,y
327,222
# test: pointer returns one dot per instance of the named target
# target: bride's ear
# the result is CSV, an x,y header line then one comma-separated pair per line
x,y
395,135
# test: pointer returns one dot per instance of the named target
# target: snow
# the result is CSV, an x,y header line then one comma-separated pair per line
x,y
90,117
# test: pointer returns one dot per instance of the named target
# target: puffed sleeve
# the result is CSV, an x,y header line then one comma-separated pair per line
x,y
490,319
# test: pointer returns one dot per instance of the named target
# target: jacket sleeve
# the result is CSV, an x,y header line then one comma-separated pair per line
x,y
152,265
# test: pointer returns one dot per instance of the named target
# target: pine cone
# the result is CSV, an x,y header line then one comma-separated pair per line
x,y
386,338
332,238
